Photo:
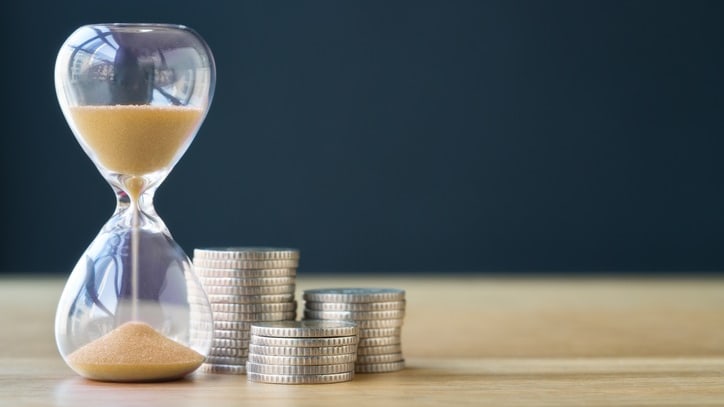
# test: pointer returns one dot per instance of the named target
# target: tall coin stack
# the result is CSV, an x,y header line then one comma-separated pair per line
x,y
244,285
302,352
378,313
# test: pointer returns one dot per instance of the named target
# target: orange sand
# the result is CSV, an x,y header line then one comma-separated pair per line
x,y
133,139
134,352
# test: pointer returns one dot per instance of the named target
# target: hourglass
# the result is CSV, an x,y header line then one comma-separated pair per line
x,y
134,96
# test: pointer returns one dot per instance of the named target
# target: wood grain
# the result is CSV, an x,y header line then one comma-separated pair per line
x,y
467,340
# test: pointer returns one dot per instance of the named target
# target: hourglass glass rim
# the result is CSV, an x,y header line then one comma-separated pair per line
x,y
141,25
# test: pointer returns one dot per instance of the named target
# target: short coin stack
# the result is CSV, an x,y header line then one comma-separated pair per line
x,y
244,285
302,352
378,313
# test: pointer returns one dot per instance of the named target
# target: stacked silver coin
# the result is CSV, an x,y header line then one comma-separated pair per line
x,y
244,285
302,352
378,313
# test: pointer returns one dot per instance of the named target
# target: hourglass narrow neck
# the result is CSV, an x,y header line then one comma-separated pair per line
x,y
135,209
142,201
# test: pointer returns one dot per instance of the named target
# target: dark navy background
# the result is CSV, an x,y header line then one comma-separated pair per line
x,y
403,135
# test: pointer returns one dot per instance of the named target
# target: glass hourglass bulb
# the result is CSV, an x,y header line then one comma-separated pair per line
x,y
134,96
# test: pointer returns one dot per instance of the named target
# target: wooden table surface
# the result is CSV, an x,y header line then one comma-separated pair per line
x,y
467,340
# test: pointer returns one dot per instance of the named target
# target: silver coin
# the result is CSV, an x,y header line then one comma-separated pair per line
x,y
203,334
197,297
309,351
245,264
355,306
380,367
226,360
199,305
250,299
354,315
231,334
232,325
354,294
304,329
300,379
244,273
196,340
238,326
228,352
229,343
380,323
213,290
379,332
247,253
269,307
386,358
246,282
379,350
380,341
302,360
229,329
193,288
222,369
303,342
255,316
299,369
365,324
201,327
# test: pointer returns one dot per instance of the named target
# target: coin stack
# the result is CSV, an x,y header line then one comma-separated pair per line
x,y
378,312
302,352
244,285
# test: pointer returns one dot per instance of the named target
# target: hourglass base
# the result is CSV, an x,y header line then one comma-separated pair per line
x,y
134,352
